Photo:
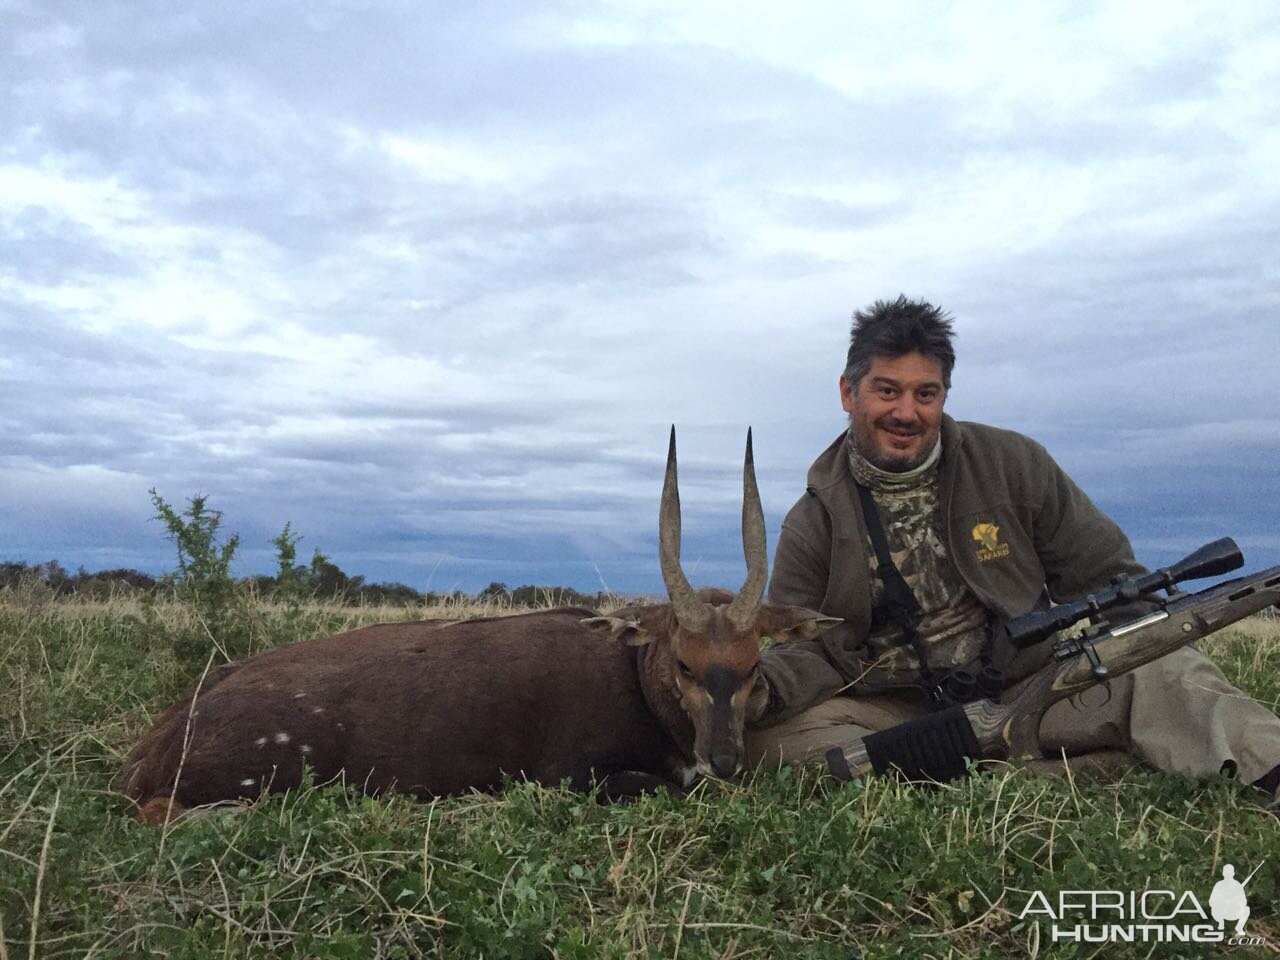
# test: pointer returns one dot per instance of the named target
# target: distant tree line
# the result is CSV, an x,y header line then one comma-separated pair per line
x,y
322,581
99,585
203,575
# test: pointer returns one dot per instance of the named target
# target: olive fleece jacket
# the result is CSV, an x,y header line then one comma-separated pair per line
x,y
1018,530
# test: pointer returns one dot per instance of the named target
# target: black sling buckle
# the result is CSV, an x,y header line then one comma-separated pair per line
x,y
899,602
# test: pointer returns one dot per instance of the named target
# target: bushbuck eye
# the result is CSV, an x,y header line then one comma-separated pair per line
x,y
684,669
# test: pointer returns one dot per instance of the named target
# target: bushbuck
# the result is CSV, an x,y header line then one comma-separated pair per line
x,y
649,695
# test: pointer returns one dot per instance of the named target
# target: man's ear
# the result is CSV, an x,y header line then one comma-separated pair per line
x,y
848,390
618,629
792,623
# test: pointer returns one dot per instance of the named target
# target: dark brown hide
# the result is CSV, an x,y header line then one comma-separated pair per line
x,y
416,707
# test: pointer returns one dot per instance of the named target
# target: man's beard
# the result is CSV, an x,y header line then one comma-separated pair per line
x,y
887,461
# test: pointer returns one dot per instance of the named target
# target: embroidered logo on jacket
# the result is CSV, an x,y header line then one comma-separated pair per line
x,y
989,545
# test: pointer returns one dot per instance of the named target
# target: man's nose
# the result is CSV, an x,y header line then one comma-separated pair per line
x,y
905,409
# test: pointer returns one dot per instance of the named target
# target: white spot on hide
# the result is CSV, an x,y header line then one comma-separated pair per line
x,y
305,748
248,782
282,737
300,694
317,709
260,742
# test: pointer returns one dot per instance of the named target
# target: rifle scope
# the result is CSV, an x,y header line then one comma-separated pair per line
x,y
1211,560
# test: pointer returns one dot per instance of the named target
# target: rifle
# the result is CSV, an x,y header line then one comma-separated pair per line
x,y
935,747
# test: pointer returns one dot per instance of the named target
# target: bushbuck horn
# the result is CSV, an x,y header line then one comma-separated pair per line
x,y
746,603
690,612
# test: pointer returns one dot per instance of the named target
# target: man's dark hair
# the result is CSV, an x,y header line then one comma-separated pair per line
x,y
891,328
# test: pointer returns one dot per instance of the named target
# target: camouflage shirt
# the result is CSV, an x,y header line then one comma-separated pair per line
x,y
953,623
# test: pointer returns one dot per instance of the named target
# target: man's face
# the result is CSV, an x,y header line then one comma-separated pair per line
x,y
896,410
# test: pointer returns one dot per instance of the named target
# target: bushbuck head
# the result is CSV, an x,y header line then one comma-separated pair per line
x,y
702,665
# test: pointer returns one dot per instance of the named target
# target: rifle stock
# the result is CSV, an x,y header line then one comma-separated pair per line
x,y
1004,731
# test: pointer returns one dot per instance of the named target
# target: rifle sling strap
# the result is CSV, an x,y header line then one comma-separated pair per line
x,y
934,747
899,602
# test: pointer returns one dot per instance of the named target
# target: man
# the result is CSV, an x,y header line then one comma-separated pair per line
x,y
979,525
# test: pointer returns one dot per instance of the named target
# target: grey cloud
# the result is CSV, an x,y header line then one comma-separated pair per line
x,y
50,250
1111,317
79,397
53,344
811,212
449,415
737,115
502,262
429,64
712,103
1177,78
46,343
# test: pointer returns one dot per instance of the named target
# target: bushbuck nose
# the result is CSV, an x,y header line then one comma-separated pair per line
x,y
725,764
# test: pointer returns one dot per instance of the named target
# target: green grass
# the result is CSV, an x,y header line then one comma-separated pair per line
x,y
784,864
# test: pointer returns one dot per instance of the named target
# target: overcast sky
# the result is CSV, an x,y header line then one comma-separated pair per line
x,y
432,280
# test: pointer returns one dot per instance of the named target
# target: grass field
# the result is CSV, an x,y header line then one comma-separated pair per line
x,y
784,864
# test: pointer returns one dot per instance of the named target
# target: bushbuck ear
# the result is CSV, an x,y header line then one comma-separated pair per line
x,y
793,623
618,628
